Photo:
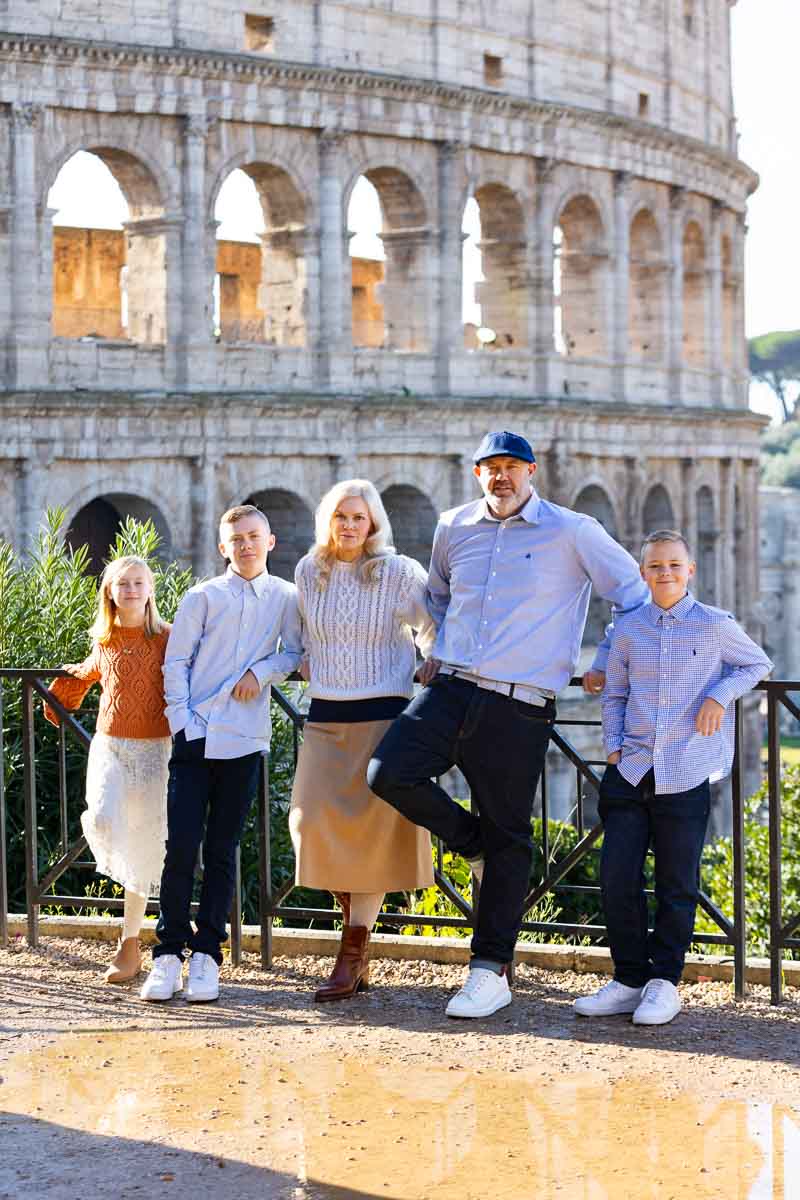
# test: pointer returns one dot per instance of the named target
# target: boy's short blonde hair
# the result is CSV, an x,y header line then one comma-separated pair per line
x,y
242,510
664,535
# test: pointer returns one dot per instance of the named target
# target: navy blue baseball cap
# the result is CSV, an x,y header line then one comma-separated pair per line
x,y
503,442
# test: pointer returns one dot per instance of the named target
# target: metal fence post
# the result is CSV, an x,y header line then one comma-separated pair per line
x,y
738,831
236,911
31,843
264,866
3,859
775,880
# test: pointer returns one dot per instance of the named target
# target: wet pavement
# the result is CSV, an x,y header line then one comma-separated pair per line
x,y
213,1117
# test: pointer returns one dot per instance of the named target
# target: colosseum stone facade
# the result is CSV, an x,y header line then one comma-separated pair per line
x,y
597,138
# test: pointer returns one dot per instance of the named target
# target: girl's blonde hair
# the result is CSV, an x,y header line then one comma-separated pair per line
x,y
378,545
103,624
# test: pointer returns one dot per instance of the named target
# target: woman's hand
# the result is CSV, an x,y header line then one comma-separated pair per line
x,y
247,688
304,670
428,670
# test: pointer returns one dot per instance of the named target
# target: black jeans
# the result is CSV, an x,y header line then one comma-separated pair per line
x,y
674,823
500,745
214,794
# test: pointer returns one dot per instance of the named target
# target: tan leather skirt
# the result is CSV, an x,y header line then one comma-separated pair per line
x,y
346,839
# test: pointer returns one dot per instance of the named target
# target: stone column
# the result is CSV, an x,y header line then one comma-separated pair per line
x,y
205,514
25,492
541,338
27,354
716,333
447,282
677,210
335,288
741,364
636,486
406,292
155,288
197,260
621,282
727,566
688,502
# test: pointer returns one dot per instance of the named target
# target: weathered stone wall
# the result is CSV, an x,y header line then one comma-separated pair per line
x,y
87,295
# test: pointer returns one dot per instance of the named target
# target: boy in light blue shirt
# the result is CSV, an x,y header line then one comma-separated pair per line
x,y
675,669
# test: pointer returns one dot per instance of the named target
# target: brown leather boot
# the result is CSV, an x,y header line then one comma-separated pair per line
x,y
350,972
126,963
343,900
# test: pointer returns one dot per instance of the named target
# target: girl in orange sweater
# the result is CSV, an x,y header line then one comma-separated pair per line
x,y
125,822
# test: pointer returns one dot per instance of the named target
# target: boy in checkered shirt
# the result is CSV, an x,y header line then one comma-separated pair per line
x,y
675,669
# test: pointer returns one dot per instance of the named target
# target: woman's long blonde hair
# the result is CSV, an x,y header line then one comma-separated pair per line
x,y
378,545
103,624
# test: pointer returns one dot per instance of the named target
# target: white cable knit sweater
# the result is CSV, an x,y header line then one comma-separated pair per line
x,y
358,636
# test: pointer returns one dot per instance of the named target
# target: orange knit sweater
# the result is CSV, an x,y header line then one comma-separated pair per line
x,y
128,669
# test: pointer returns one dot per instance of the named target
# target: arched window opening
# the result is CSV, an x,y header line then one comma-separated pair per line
x,y
109,249
579,278
694,296
657,512
594,501
502,292
390,287
97,524
413,520
292,523
648,293
731,350
705,584
260,280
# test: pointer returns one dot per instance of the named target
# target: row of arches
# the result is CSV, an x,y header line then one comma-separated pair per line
x,y
110,267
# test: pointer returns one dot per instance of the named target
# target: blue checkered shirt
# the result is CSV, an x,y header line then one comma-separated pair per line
x,y
662,665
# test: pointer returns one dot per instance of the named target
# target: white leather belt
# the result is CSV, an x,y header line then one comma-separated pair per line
x,y
516,691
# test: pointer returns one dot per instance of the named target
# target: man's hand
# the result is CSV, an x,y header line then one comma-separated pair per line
x,y
614,757
247,688
428,670
594,682
709,719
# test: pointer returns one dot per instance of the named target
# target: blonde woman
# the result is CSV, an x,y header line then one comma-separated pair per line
x,y
126,778
361,605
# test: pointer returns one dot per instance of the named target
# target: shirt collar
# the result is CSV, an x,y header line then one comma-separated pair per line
x,y
679,611
259,584
529,513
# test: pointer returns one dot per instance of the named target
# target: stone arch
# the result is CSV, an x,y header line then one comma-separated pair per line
x,y
580,277
263,288
705,585
110,284
657,511
97,522
695,350
647,297
293,525
405,236
595,501
413,520
148,187
503,295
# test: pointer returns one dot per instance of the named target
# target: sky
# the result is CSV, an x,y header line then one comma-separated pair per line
x,y
765,43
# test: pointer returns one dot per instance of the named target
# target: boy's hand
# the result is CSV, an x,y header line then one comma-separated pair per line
x,y
614,757
594,682
247,688
709,719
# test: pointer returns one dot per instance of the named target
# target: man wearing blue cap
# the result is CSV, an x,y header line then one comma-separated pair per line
x,y
509,586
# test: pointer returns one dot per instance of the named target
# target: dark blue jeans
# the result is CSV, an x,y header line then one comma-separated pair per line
x,y
212,795
500,745
674,824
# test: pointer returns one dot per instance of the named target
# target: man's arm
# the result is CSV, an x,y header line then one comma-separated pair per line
x,y
187,630
275,667
615,576
438,590
615,699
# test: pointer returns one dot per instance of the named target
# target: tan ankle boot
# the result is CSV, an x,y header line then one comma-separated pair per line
x,y
350,972
126,963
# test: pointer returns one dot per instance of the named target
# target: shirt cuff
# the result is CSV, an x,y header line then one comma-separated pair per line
x,y
600,659
723,692
613,744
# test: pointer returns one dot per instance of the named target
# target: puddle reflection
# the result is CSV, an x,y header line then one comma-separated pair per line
x,y
375,1128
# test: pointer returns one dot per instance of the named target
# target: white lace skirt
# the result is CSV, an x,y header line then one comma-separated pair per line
x,y
125,822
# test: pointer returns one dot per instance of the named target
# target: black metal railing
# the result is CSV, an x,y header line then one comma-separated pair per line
x,y
732,931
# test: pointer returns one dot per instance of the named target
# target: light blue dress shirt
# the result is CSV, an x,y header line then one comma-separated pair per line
x,y
663,664
224,627
509,598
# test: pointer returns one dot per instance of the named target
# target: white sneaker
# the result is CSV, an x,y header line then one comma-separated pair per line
x,y
165,979
660,1003
482,994
203,979
611,999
